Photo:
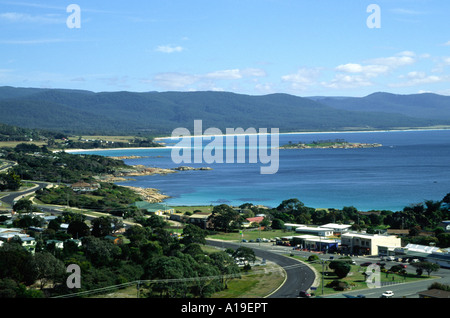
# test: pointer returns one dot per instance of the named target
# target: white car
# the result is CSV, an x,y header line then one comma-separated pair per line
x,y
387,294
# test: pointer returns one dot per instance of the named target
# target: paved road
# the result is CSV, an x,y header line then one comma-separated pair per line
x,y
299,276
12,196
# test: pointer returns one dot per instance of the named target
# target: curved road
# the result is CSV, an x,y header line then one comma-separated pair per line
x,y
299,276
11,197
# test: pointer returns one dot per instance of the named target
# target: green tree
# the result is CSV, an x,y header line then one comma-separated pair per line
x,y
225,218
102,226
341,268
278,224
16,263
78,229
10,181
427,266
48,269
245,253
226,265
23,205
193,234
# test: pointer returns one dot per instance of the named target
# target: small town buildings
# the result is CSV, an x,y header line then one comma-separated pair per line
x,y
367,244
338,229
318,231
200,219
252,221
433,254
315,243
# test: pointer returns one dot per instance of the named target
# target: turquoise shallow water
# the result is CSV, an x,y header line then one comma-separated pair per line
x,y
410,167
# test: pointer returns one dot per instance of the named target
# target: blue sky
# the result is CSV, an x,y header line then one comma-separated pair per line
x,y
300,47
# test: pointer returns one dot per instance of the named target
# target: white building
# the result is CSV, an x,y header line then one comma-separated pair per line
x,y
337,228
367,244
319,231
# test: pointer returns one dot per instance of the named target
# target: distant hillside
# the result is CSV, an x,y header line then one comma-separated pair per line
x,y
426,106
85,112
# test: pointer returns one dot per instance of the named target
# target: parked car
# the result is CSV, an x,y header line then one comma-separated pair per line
x,y
366,264
387,294
402,265
304,294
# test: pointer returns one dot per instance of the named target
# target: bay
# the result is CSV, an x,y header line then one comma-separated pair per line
x,y
410,167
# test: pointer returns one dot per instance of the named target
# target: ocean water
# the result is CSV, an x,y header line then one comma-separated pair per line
x,y
410,167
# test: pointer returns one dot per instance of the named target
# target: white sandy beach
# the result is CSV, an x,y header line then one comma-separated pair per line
x,y
245,134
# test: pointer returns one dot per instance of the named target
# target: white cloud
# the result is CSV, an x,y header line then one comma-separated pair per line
x,y
224,75
419,78
169,49
15,17
34,41
175,80
342,81
406,11
304,78
354,75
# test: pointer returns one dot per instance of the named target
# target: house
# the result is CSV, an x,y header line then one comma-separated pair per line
x,y
200,219
57,243
28,242
85,187
254,220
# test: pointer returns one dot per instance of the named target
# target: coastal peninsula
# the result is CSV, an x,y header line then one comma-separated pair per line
x,y
329,144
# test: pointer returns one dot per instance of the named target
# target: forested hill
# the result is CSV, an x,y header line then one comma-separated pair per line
x,y
85,112
426,105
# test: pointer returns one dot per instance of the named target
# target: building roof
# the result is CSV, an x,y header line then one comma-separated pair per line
x,y
435,293
257,219
336,226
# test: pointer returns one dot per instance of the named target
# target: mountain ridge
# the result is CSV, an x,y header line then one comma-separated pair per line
x,y
158,113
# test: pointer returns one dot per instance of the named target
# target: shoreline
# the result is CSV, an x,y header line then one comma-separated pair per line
x,y
310,132
257,134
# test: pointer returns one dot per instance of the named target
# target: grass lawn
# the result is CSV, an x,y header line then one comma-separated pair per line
x,y
186,208
259,282
252,234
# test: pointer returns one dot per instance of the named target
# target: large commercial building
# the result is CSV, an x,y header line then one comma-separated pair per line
x,y
367,244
